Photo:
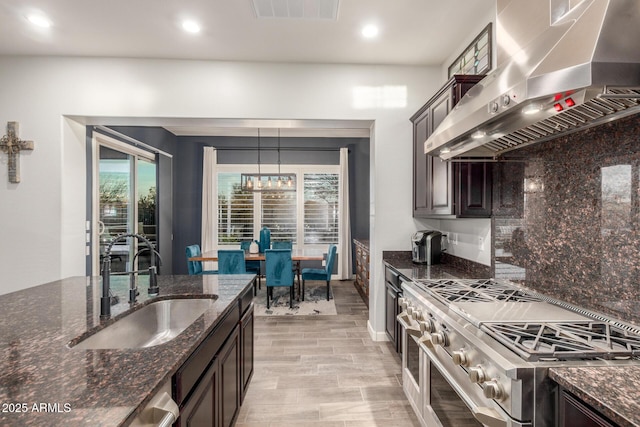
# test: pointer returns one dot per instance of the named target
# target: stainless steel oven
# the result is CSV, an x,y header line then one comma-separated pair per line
x,y
477,352
449,403
440,395
413,365
443,404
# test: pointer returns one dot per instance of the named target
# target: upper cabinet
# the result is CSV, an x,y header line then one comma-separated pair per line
x,y
440,188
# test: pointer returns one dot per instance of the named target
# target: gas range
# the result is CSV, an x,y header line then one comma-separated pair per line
x,y
494,342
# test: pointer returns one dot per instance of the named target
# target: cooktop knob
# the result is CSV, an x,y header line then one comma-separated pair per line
x,y
403,302
477,375
460,357
493,390
417,315
410,311
427,326
439,338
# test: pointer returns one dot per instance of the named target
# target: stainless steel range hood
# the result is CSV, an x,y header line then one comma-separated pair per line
x,y
561,68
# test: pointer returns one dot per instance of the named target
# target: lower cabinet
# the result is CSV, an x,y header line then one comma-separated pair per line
x,y
229,361
572,412
210,385
392,308
246,350
201,409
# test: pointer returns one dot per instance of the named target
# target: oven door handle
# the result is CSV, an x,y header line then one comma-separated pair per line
x,y
486,415
403,319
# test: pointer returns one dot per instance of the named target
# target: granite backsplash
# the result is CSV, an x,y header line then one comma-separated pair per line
x,y
567,218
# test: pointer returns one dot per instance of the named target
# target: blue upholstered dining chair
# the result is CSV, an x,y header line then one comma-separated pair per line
x,y
195,267
321,273
288,244
231,261
278,266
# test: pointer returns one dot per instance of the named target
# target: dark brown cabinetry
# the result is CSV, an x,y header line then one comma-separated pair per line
x,y
229,374
437,184
246,350
362,269
202,407
210,385
474,188
572,412
392,308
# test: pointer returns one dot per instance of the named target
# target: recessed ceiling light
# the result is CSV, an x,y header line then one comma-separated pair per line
x,y
39,20
190,26
369,31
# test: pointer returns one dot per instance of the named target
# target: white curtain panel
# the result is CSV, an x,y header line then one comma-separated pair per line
x,y
209,200
344,234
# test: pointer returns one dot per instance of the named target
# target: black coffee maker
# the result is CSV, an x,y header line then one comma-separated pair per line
x,y
426,247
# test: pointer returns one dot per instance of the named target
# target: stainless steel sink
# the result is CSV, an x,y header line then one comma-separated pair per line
x,y
153,324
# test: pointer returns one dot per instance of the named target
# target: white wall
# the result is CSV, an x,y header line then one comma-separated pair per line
x,y
469,231
468,238
42,227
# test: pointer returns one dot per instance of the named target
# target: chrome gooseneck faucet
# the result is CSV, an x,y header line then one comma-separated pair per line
x,y
105,299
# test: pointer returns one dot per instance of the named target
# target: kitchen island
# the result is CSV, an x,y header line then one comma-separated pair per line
x,y
45,382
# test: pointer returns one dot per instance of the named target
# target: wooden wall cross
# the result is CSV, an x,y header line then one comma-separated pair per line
x,y
12,145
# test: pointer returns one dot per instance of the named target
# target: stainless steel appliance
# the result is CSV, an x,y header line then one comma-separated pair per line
x,y
478,351
426,247
562,67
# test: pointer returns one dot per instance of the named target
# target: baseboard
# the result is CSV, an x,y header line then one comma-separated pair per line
x,y
376,336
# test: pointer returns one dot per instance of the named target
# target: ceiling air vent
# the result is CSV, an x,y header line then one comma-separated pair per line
x,y
296,9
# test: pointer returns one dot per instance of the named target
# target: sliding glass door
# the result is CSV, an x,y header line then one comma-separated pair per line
x,y
125,201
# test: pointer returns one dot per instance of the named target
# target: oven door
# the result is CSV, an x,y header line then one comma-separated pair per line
x,y
451,400
413,365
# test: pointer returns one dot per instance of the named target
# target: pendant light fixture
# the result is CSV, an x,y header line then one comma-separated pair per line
x,y
268,182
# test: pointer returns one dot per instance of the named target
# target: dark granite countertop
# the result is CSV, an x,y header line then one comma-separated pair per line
x,y
92,387
450,268
611,390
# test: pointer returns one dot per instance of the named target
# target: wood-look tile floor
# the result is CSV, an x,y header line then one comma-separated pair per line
x,y
324,371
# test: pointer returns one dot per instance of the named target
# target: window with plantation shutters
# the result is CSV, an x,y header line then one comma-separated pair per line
x,y
279,213
321,208
235,210
307,217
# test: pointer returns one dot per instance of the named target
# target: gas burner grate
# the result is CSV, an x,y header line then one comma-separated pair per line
x,y
468,290
566,341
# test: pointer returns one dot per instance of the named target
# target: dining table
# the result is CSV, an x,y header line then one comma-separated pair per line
x,y
297,255
306,254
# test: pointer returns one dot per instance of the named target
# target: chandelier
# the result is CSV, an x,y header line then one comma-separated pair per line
x,y
268,181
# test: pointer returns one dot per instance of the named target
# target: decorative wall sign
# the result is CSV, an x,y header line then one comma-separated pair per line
x,y
12,145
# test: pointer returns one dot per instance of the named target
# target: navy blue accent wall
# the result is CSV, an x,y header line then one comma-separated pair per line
x,y
159,138
187,170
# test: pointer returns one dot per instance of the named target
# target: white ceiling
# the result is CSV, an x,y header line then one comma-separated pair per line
x,y
411,32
